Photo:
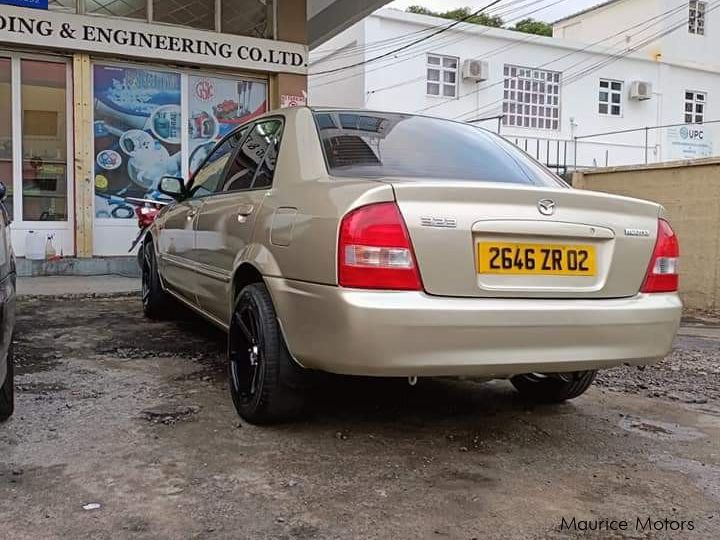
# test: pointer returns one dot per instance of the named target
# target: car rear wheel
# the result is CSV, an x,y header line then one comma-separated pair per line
x,y
7,391
265,383
155,301
553,388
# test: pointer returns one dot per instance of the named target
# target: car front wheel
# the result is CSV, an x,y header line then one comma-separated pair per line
x,y
265,382
7,391
553,388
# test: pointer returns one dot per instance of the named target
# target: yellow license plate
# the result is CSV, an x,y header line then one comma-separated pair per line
x,y
537,259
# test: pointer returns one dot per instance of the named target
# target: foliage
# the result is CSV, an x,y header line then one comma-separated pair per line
x,y
459,14
531,26
528,26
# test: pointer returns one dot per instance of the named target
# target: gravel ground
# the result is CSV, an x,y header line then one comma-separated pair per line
x,y
125,429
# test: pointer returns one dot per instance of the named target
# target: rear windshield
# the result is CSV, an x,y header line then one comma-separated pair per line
x,y
378,145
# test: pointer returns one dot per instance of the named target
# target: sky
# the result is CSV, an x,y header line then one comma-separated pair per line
x,y
551,13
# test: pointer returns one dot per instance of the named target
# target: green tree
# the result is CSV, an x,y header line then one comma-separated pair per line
x,y
528,26
532,26
459,14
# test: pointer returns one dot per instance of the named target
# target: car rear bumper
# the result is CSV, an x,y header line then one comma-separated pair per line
x,y
384,333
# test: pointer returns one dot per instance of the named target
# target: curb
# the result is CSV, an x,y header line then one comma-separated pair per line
x,y
79,296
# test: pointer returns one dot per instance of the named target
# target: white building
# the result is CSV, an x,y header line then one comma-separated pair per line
x,y
623,65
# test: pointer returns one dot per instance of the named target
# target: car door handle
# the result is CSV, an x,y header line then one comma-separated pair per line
x,y
245,210
191,214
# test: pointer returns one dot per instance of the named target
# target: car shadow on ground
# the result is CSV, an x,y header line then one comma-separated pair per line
x,y
352,399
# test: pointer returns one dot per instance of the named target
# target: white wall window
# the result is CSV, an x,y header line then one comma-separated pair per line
x,y
696,17
531,98
695,107
610,97
442,74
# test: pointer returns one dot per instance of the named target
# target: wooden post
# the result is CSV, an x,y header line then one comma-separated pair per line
x,y
84,170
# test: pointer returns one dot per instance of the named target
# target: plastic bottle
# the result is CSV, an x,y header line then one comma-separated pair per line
x,y
34,246
50,252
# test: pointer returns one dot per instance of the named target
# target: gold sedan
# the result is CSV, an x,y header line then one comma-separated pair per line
x,y
384,244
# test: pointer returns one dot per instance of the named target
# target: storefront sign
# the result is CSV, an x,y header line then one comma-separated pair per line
x,y
35,4
120,37
692,141
292,101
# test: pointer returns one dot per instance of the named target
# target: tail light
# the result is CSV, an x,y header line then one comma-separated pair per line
x,y
374,250
662,274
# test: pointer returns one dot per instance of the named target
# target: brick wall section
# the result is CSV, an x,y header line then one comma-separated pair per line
x,y
690,192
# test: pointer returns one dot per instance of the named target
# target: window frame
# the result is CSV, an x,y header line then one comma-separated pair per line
x,y
695,102
441,69
232,152
609,102
514,107
253,188
81,9
697,11
250,126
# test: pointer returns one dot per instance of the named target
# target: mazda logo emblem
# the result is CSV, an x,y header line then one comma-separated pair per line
x,y
546,207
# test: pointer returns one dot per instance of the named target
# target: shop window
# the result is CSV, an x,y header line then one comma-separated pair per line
x,y
248,17
68,6
6,143
134,9
44,140
217,106
198,14
138,127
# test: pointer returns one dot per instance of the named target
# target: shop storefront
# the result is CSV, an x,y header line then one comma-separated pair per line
x,y
95,110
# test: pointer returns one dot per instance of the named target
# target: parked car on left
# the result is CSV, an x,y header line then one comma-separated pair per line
x,y
7,313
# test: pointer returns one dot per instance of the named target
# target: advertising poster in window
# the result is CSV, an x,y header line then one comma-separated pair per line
x,y
137,130
216,107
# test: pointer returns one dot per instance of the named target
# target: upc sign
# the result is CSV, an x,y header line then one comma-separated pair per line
x,y
36,4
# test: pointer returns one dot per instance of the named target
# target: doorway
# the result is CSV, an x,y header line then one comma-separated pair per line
x,y
36,147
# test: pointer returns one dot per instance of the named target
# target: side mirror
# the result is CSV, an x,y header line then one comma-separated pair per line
x,y
172,186
3,191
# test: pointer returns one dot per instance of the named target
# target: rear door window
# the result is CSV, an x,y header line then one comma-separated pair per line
x,y
391,145
254,163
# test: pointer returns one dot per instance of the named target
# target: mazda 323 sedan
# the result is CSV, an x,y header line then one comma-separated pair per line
x,y
382,244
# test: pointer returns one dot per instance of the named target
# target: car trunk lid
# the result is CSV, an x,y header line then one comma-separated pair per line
x,y
479,239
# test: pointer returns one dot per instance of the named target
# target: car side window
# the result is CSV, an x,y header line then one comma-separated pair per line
x,y
254,163
209,176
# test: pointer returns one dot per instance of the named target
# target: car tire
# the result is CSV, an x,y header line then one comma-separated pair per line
x,y
553,389
266,384
7,391
156,302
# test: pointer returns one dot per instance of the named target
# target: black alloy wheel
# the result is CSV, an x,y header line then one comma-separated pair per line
x,y
266,384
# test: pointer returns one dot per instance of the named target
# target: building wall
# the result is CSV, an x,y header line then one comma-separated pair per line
x,y
398,83
690,192
345,88
680,46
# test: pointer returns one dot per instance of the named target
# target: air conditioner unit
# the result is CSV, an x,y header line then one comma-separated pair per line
x,y
641,90
476,70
